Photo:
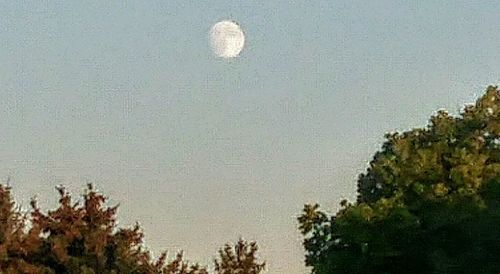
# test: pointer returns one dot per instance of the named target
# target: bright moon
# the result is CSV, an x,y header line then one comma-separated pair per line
x,y
227,39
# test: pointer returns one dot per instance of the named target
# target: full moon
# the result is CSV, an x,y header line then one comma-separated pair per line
x,y
227,39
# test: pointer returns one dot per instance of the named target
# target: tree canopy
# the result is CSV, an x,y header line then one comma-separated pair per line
x,y
428,203
240,258
84,238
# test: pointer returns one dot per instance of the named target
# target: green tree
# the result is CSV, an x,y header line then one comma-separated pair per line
x,y
239,259
428,203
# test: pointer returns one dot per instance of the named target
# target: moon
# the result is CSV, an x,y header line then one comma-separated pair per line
x,y
227,39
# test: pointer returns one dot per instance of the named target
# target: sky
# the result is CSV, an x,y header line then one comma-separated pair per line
x,y
200,150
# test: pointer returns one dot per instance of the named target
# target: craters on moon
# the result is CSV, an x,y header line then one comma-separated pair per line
x,y
227,39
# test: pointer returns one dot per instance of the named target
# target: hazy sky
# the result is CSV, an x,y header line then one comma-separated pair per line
x,y
128,95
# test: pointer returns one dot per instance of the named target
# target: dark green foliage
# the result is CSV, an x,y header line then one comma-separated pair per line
x,y
428,203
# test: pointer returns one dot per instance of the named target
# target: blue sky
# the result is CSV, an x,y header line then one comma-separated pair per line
x,y
127,95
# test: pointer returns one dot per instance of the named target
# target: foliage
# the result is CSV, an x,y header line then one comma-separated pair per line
x,y
428,203
81,238
16,246
240,258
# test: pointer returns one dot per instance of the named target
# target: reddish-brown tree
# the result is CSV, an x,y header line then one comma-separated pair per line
x,y
83,237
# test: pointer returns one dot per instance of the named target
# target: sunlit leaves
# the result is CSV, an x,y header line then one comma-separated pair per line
x,y
240,258
76,238
82,237
428,202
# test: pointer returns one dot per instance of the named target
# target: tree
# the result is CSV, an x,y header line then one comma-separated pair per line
x,y
239,259
179,266
428,203
76,238
16,246
84,238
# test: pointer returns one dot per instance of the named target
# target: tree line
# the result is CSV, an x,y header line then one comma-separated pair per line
x,y
84,238
429,202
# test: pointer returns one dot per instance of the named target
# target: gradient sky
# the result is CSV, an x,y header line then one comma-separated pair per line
x,y
201,151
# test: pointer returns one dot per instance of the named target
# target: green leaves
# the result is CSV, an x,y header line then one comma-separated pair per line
x,y
311,218
428,203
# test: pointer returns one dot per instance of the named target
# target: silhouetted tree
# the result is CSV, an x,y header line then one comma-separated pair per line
x,y
428,203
